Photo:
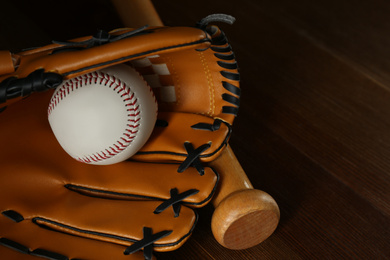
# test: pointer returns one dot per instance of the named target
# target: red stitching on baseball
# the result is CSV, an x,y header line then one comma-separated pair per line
x,y
128,97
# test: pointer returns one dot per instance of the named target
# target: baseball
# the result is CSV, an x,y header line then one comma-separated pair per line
x,y
103,117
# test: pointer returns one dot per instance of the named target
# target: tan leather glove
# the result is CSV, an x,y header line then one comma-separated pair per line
x,y
56,207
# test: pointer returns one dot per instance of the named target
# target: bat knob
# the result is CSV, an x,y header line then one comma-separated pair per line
x,y
244,219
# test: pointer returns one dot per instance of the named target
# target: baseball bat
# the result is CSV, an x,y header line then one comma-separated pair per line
x,y
243,216
137,13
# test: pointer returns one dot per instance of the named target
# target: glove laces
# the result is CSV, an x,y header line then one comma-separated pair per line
x,y
102,37
147,242
175,200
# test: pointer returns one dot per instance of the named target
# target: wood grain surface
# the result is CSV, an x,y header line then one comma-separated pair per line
x,y
313,129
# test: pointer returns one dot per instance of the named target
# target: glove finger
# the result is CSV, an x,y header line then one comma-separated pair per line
x,y
167,141
25,241
132,180
114,221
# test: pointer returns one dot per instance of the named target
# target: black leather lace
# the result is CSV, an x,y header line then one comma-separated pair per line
x,y
37,252
147,242
192,158
227,61
175,201
225,18
209,127
103,37
37,81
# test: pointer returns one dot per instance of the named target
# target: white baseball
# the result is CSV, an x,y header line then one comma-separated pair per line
x,y
103,117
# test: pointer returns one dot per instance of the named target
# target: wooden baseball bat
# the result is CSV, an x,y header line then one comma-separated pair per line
x,y
137,13
243,216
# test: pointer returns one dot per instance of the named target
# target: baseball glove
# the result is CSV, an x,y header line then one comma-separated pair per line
x,y
55,207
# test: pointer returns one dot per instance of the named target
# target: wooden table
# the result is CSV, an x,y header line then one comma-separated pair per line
x,y
314,125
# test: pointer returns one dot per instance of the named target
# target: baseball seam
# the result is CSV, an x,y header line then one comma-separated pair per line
x,y
130,103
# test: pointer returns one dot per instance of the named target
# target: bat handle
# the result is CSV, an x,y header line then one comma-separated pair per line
x,y
137,13
243,216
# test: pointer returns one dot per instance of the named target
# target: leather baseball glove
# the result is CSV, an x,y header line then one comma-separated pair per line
x,y
55,207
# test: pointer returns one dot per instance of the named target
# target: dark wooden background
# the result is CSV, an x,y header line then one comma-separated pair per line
x,y
314,125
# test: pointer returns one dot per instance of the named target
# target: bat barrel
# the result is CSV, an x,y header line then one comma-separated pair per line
x,y
243,216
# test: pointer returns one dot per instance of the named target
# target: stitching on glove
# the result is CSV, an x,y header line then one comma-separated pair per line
x,y
227,55
103,37
147,242
224,56
193,157
231,75
209,127
221,49
228,65
231,88
231,99
220,39
175,200
210,83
